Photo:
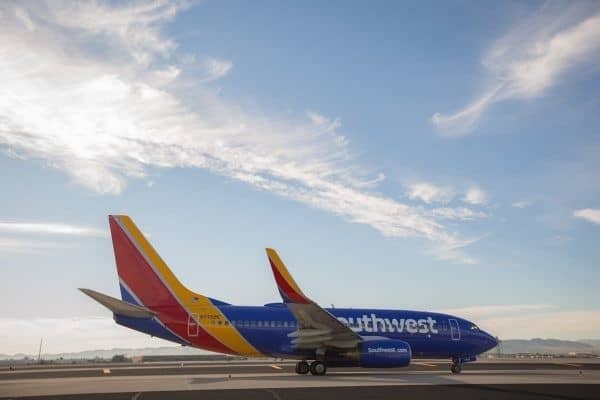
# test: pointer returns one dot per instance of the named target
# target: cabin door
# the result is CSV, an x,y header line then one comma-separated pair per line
x,y
454,329
193,327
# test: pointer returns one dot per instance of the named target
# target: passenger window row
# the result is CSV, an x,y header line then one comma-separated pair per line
x,y
256,324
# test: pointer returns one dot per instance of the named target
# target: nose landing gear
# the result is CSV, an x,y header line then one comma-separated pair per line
x,y
458,361
456,368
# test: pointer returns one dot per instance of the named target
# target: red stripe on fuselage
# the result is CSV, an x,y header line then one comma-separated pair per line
x,y
139,276
285,287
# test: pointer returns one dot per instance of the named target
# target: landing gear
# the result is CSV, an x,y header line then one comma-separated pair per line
x,y
456,368
302,367
318,368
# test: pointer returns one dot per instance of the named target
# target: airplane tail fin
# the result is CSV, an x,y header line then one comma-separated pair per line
x,y
147,281
144,277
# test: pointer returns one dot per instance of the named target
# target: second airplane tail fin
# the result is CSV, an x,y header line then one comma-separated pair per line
x,y
288,288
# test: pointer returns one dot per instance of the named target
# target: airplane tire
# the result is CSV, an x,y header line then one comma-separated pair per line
x,y
302,368
318,368
456,368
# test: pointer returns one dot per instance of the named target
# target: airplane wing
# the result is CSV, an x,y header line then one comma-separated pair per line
x,y
317,328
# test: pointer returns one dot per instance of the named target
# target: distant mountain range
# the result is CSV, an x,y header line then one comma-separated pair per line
x,y
591,342
513,346
107,354
548,346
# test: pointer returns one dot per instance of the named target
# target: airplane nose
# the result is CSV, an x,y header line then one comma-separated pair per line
x,y
491,341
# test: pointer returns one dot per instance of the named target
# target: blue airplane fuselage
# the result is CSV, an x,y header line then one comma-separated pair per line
x,y
267,328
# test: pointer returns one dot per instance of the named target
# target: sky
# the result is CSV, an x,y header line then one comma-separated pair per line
x,y
410,155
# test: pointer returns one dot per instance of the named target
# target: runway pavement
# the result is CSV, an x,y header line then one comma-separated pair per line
x,y
276,380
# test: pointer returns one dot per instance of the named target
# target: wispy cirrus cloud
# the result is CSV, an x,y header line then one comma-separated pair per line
x,y
522,204
216,68
475,196
486,311
323,122
136,27
530,59
21,246
50,229
457,213
589,214
33,237
109,115
23,335
429,193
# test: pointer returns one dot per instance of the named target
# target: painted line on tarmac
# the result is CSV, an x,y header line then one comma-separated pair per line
x,y
131,367
275,366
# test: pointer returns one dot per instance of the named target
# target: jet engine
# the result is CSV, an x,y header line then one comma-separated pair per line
x,y
384,354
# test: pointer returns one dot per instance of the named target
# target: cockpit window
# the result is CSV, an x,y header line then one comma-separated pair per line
x,y
474,328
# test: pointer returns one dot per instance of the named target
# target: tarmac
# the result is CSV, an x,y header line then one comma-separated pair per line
x,y
563,379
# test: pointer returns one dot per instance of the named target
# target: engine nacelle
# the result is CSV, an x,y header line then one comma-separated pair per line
x,y
384,354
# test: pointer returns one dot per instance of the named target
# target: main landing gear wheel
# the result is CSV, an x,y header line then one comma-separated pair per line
x,y
318,368
456,368
302,367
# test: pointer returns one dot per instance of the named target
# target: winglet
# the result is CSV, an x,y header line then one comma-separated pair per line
x,y
288,288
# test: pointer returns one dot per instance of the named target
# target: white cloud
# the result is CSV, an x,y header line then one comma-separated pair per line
x,y
463,121
23,335
327,125
163,77
531,58
323,122
451,251
457,213
589,214
215,68
521,204
23,16
475,196
107,117
429,193
527,321
50,229
487,311
12,245
135,26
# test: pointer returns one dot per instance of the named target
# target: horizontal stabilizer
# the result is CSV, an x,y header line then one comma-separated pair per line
x,y
118,306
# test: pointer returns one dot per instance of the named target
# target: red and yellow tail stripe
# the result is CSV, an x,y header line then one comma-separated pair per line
x,y
141,268
289,290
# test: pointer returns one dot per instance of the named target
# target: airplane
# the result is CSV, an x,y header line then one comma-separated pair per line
x,y
154,302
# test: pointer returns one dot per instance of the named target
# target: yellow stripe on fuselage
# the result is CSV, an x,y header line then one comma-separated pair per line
x,y
208,316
